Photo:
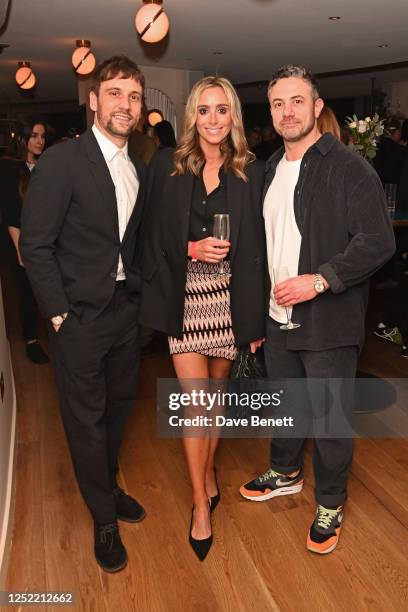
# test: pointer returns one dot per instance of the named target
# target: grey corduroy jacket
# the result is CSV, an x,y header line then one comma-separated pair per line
x,y
347,235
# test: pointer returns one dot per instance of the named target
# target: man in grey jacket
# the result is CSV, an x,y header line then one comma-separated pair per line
x,y
327,232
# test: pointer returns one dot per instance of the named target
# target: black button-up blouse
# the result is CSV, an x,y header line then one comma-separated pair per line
x,y
204,206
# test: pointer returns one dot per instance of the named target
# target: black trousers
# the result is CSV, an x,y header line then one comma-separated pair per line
x,y
27,305
332,457
96,369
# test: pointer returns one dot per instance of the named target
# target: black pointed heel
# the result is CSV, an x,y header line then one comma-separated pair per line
x,y
200,547
215,499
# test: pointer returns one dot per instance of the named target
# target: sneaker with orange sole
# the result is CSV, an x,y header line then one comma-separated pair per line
x,y
272,484
325,531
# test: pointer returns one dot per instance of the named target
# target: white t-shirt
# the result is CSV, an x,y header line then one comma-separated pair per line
x,y
282,233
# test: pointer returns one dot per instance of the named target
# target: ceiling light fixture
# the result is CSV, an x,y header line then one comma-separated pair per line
x,y
382,46
25,77
83,60
154,116
334,18
151,21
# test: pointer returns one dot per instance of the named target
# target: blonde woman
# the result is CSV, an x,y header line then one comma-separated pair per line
x,y
207,315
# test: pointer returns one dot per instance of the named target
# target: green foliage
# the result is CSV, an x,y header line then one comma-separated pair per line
x,y
365,134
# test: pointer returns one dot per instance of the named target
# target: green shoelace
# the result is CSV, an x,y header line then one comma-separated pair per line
x,y
268,474
326,516
272,474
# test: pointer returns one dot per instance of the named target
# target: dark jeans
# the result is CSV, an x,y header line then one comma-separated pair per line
x,y
332,457
96,368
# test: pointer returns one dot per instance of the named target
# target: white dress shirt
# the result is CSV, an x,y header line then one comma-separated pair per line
x,y
126,183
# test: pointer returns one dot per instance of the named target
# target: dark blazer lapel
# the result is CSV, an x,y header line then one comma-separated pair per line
x,y
137,211
101,174
182,205
236,188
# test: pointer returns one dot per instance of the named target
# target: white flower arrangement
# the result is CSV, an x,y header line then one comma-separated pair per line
x,y
365,134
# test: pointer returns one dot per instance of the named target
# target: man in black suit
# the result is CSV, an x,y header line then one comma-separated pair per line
x,y
80,244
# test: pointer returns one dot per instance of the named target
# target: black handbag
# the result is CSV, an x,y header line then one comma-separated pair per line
x,y
247,370
249,365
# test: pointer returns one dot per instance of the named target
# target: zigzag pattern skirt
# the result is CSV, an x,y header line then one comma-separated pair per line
x,y
207,325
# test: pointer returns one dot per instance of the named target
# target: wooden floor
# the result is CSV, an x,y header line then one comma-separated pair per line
x,y
258,560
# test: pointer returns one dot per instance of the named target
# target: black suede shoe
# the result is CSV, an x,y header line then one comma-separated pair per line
x,y
35,353
127,508
109,550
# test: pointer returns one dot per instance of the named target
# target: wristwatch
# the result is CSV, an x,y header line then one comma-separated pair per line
x,y
59,319
318,284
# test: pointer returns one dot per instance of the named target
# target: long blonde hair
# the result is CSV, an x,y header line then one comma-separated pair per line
x,y
189,156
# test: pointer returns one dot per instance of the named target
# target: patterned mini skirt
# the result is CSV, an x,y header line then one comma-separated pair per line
x,y
207,325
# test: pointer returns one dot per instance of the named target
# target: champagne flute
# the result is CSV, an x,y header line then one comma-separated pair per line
x,y
280,275
221,230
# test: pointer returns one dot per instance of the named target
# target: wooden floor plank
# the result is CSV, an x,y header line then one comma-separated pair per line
x,y
258,559
27,563
384,476
281,525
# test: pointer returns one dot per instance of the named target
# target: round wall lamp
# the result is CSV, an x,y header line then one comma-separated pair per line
x,y
83,60
151,21
25,77
154,116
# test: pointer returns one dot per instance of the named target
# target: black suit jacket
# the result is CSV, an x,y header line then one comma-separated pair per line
x,y
165,253
70,234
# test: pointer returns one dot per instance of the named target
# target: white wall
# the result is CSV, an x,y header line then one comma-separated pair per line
x,y
7,446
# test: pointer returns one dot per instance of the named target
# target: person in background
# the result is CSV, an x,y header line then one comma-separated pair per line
x,y
346,136
402,190
204,313
404,133
140,143
27,149
254,137
163,135
327,123
391,154
271,142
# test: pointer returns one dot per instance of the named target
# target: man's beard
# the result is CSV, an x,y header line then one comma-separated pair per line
x,y
117,132
300,135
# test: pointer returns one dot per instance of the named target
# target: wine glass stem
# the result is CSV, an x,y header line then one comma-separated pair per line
x,y
289,322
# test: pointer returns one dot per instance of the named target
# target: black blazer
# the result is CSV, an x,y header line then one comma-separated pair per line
x,y
70,234
168,204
